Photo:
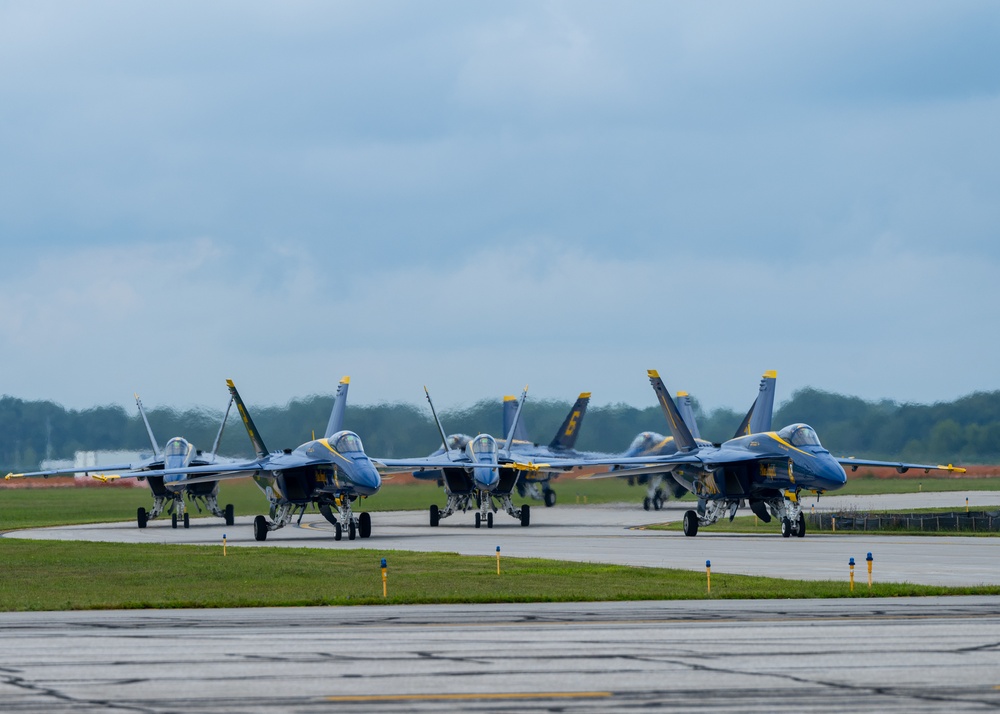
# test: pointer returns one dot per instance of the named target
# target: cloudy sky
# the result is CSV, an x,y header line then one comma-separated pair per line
x,y
478,196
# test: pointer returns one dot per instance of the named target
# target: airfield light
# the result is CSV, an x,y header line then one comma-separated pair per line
x,y
966,504
708,574
223,544
851,563
498,560
385,585
870,561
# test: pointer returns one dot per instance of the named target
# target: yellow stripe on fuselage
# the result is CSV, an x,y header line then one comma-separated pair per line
x,y
774,435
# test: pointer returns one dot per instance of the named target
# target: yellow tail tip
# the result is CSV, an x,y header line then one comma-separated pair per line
x,y
345,380
682,394
229,383
509,398
653,374
771,374
584,395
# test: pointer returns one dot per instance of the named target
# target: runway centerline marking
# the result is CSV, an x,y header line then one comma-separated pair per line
x,y
465,697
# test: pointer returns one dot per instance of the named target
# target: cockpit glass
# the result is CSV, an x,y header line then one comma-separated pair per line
x,y
175,447
348,443
800,435
483,444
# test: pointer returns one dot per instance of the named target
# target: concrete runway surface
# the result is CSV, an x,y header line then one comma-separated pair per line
x,y
911,655
615,534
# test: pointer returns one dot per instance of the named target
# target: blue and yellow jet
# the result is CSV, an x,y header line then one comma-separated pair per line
x,y
178,453
767,470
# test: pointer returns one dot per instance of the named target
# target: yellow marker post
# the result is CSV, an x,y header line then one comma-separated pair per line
x,y
708,575
966,504
584,499
223,544
385,578
870,560
833,523
851,563
498,560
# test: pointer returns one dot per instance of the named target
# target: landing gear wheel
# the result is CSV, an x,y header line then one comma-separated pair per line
x,y
352,531
657,503
525,515
338,532
260,528
801,531
786,528
365,525
435,516
690,523
489,520
173,520
230,515
646,503
187,520
550,498
479,519
141,517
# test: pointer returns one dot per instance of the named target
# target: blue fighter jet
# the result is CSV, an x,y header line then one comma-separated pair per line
x,y
178,453
763,468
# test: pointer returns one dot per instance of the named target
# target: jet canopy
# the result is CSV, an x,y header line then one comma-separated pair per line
x,y
800,435
347,442
176,447
483,444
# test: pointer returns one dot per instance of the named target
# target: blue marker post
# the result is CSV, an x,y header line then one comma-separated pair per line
x,y
223,545
498,560
851,563
385,590
870,561
708,574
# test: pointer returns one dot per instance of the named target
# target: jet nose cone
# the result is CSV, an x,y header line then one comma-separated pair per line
x,y
486,478
832,475
367,480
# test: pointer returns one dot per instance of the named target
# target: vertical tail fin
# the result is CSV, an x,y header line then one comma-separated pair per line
x,y
444,438
149,430
258,443
758,419
682,435
222,427
336,422
763,408
565,438
514,420
510,407
685,406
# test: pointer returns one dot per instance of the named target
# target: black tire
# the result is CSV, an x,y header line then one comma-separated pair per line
x,y
435,516
690,523
786,528
525,516
230,515
479,519
338,532
352,531
260,528
647,502
657,503
365,525
489,520
173,520
140,517
550,498
187,521
801,532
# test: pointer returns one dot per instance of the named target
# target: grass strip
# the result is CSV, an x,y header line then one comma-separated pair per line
x,y
43,575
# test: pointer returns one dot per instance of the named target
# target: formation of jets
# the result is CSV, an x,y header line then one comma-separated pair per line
x,y
765,470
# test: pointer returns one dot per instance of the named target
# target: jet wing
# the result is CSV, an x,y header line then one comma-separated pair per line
x,y
206,474
139,469
419,464
640,465
900,466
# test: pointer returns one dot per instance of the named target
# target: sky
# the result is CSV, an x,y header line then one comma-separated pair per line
x,y
481,196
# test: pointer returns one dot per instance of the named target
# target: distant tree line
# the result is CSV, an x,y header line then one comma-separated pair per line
x,y
966,430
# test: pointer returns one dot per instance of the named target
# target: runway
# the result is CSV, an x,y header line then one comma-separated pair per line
x,y
615,534
900,655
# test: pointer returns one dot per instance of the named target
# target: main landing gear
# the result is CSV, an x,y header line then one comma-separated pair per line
x,y
485,511
179,514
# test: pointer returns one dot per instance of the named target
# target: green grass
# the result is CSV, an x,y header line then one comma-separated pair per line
x,y
40,575
865,485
